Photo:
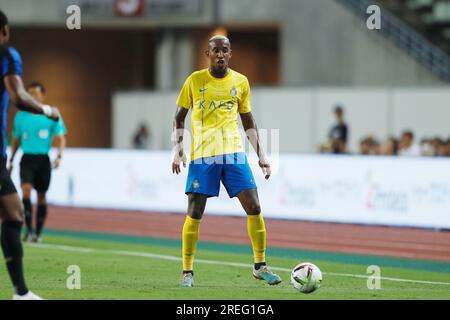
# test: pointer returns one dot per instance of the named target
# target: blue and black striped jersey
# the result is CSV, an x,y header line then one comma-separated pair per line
x,y
10,63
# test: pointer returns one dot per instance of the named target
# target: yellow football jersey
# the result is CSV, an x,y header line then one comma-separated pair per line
x,y
214,104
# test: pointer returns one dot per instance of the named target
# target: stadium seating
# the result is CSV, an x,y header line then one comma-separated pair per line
x,y
430,17
420,27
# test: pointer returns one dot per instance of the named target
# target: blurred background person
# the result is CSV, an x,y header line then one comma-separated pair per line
x,y
364,146
389,147
338,134
436,144
338,146
369,146
35,134
443,149
407,147
426,148
141,138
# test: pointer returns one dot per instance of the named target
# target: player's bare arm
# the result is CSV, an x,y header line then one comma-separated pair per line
x,y
251,130
178,130
60,142
22,99
15,144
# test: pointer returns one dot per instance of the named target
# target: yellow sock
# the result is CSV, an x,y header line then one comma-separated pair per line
x,y
190,238
257,232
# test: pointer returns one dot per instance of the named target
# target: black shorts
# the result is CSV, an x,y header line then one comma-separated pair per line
x,y
6,184
36,170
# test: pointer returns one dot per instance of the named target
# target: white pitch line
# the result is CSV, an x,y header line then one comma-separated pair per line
x,y
214,262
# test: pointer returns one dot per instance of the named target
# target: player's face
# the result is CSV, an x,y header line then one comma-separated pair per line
x,y
219,54
36,93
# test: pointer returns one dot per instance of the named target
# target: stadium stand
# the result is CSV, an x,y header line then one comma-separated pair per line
x,y
420,27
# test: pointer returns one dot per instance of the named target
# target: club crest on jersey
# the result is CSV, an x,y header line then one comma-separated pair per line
x,y
233,92
195,184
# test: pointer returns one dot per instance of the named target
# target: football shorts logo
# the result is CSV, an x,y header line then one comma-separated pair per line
x,y
233,91
196,184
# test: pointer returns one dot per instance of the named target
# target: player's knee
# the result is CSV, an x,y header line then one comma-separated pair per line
x,y
195,214
254,208
26,191
196,206
42,199
26,194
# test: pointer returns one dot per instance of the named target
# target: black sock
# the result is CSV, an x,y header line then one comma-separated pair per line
x,y
259,265
41,215
188,271
13,253
28,211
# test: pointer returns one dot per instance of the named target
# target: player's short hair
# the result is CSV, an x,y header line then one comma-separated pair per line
x,y
408,133
218,37
3,20
36,84
338,108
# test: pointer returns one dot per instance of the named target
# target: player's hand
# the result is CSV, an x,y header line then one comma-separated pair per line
x,y
51,112
265,166
56,163
179,157
55,114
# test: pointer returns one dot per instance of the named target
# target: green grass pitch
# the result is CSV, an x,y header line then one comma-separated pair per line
x,y
127,267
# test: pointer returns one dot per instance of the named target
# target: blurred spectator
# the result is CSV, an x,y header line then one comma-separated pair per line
x,y
436,144
369,146
325,147
407,147
426,148
339,132
364,146
447,153
389,147
443,149
338,146
141,137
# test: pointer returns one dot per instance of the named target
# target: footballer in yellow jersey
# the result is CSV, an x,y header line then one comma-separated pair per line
x,y
216,96
215,104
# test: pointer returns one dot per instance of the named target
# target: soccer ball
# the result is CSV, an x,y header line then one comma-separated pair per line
x,y
306,277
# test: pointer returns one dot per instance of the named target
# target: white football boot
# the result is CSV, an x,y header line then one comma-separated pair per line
x,y
27,296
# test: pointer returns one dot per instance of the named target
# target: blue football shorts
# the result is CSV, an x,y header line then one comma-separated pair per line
x,y
233,170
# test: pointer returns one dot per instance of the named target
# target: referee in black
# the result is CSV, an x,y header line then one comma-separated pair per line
x,y
35,134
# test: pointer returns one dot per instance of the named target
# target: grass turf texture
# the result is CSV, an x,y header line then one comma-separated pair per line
x,y
108,274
